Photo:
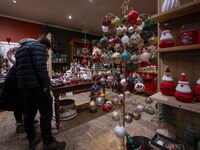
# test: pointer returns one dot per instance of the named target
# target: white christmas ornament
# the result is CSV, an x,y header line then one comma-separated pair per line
x,y
120,131
123,82
125,39
130,29
115,115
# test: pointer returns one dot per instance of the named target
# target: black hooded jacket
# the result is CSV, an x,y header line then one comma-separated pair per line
x,y
31,67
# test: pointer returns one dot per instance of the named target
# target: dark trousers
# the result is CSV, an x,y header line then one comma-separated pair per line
x,y
19,110
37,99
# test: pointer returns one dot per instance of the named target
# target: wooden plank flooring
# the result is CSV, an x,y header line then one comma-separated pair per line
x,y
87,131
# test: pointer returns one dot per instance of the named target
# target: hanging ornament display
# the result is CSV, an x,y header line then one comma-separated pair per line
x,y
197,91
167,86
183,90
120,131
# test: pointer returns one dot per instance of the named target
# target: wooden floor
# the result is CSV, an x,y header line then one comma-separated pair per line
x,y
87,131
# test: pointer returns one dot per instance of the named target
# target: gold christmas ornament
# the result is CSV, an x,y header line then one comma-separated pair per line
x,y
103,95
92,105
116,115
153,40
136,114
116,57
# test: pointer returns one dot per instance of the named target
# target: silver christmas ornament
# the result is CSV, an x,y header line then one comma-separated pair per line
x,y
148,100
128,118
115,115
99,101
120,131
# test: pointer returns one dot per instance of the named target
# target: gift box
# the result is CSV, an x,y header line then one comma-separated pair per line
x,y
161,142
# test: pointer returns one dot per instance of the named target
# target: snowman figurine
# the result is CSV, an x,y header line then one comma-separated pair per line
x,y
167,86
166,39
183,91
197,91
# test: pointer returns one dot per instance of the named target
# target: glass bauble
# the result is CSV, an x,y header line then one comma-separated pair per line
x,y
120,131
128,118
99,101
126,56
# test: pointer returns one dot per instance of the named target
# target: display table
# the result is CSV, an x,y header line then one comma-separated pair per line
x,y
57,91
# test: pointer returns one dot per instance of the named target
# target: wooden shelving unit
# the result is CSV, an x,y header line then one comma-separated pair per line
x,y
183,10
179,48
170,100
179,59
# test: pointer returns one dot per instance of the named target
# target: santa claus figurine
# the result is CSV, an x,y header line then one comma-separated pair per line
x,y
183,91
197,91
166,39
167,86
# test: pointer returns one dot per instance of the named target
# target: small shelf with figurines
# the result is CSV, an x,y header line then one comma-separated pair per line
x,y
170,100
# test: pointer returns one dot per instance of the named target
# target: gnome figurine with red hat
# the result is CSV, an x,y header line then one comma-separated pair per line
x,y
197,91
183,91
167,86
166,39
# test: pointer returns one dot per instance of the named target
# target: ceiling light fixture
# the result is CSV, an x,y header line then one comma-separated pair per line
x,y
69,17
14,1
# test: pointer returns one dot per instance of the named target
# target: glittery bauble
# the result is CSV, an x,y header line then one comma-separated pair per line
x,y
116,100
127,94
139,87
115,85
134,58
92,105
103,95
95,88
106,107
123,82
125,39
116,57
121,96
128,118
99,101
129,79
120,131
109,103
135,38
132,16
140,107
105,29
145,56
136,114
148,100
153,40
150,110
126,56
117,21
103,81
130,29
106,21
130,44
104,41
115,115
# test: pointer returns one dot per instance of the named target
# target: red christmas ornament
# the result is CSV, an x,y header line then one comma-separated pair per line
x,y
106,21
138,21
132,16
106,107
8,39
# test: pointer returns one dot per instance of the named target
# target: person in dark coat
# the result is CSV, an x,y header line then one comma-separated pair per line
x,y
12,98
34,83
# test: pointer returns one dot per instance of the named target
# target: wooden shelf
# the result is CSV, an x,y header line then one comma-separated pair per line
x,y
179,48
170,100
181,11
59,62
